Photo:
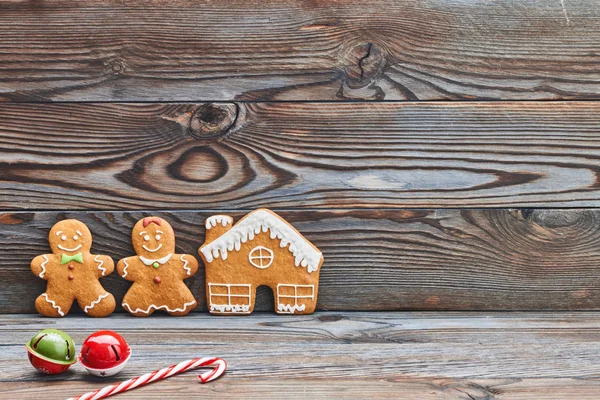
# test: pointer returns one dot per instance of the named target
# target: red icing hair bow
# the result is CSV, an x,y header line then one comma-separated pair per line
x,y
150,220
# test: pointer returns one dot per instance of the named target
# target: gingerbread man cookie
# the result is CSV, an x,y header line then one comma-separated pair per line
x,y
73,273
156,271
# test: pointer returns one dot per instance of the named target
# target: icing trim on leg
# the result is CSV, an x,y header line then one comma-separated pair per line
x,y
62,314
153,306
102,296
43,265
100,263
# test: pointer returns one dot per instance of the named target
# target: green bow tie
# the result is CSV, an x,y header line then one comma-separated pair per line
x,y
77,257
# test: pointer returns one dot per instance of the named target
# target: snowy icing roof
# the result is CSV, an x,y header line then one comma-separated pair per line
x,y
304,252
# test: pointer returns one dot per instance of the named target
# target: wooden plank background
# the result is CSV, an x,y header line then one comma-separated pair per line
x,y
299,155
442,356
374,259
110,110
176,50
444,155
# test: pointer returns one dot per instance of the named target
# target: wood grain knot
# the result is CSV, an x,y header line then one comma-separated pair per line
x,y
363,63
115,67
553,218
212,120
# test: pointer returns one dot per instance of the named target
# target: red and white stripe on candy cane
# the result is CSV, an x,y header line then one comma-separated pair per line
x,y
218,368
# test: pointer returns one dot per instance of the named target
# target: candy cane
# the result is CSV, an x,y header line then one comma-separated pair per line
x,y
219,367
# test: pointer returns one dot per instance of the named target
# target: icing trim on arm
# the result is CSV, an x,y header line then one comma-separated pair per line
x,y
125,269
212,221
100,263
102,296
185,263
43,266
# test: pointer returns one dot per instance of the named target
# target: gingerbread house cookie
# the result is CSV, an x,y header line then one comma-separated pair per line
x,y
261,249
156,271
73,273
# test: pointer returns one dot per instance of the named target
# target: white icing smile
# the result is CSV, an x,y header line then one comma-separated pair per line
x,y
152,250
68,249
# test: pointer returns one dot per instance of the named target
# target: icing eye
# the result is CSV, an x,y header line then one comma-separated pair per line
x,y
157,237
63,237
147,237
75,237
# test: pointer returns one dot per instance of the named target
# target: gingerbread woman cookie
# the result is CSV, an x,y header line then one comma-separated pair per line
x,y
156,271
73,273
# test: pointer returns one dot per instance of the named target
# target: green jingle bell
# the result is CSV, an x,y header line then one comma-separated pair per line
x,y
51,351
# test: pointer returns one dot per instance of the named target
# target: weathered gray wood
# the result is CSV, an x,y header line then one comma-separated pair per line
x,y
295,50
299,155
493,259
298,388
412,355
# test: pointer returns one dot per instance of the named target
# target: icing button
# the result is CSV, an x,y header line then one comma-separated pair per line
x,y
71,266
71,277
156,279
155,265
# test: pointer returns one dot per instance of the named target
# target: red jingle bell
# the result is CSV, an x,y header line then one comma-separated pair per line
x,y
104,353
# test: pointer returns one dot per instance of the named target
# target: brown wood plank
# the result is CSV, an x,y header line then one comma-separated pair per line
x,y
299,155
495,259
458,356
296,50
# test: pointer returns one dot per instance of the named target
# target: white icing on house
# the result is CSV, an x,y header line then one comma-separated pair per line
x,y
286,308
43,265
102,296
290,308
62,314
261,257
100,263
224,220
230,308
263,221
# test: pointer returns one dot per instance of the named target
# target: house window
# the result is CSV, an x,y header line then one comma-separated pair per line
x,y
288,296
260,257
229,298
